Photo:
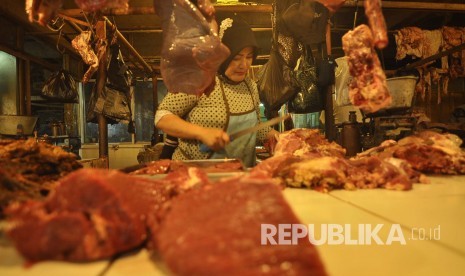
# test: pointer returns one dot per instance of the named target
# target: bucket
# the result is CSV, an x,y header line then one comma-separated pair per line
x,y
402,90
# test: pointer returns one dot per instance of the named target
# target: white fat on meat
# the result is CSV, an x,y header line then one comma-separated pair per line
x,y
316,172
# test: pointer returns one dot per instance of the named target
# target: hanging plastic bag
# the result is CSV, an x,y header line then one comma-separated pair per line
x,y
60,87
113,104
308,97
119,76
306,21
325,71
343,79
275,82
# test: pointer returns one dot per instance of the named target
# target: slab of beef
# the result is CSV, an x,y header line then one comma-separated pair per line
x,y
376,22
216,230
192,50
304,158
329,173
271,167
14,187
92,214
368,89
306,143
164,166
426,152
373,172
29,170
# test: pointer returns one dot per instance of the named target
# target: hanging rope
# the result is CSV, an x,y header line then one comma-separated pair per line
x,y
56,25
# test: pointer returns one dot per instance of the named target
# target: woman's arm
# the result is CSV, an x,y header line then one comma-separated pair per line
x,y
173,125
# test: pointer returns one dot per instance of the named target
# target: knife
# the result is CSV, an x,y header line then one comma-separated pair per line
x,y
235,135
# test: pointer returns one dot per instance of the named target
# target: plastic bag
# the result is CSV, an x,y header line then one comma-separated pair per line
x,y
325,71
60,87
113,104
119,75
308,97
275,83
343,79
306,21
192,51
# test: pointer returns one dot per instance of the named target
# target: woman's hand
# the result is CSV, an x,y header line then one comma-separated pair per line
x,y
271,140
215,138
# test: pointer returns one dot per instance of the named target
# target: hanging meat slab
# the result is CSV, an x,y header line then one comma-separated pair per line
x,y
376,22
368,89
192,51
42,11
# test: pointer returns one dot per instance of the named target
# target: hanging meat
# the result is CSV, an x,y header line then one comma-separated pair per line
x,y
95,5
192,51
368,89
376,22
42,10
82,44
332,5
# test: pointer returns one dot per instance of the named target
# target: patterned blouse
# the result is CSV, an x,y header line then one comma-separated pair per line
x,y
211,111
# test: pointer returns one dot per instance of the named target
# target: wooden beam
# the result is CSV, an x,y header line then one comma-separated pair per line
x,y
260,8
131,49
267,8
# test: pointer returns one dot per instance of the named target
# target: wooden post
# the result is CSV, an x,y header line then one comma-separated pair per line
x,y
27,80
330,128
101,33
155,107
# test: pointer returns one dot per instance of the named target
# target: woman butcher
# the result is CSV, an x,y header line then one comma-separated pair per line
x,y
232,106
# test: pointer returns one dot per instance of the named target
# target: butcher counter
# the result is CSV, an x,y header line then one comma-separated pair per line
x,y
427,221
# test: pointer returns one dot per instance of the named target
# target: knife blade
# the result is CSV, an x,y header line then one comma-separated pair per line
x,y
235,135
256,128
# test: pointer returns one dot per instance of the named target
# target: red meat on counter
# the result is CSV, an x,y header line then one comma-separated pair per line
x,y
216,230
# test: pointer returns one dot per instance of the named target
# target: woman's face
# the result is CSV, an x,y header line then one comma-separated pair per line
x,y
240,64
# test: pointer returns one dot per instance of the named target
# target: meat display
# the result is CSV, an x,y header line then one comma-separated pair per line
x,y
305,159
29,170
192,50
94,214
377,23
165,166
418,43
222,235
309,143
368,89
427,152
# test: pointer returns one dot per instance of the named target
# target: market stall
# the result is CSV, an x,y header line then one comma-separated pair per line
x,y
160,137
